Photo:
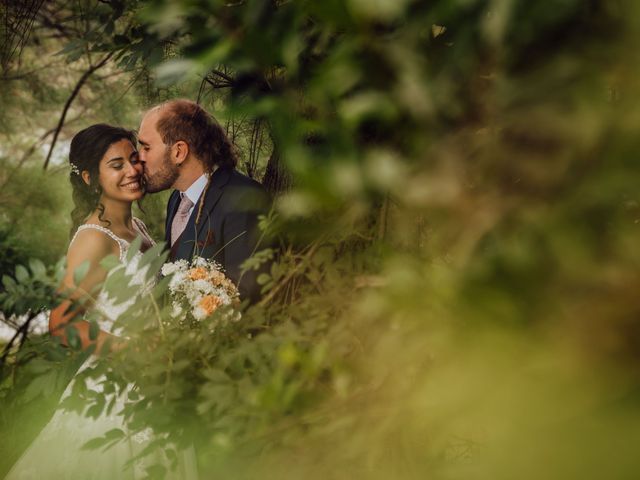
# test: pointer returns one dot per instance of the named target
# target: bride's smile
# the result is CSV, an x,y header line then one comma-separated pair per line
x,y
120,173
133,186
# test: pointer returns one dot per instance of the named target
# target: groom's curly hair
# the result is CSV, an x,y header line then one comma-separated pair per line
x,y
88,146
185,120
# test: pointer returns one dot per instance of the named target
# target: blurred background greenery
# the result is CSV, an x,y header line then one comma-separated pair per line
x,y
456,190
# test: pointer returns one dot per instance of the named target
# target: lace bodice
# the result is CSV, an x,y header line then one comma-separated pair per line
x,y
110,308
122,243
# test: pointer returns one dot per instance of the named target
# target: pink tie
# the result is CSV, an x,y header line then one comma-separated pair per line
x,y
181,219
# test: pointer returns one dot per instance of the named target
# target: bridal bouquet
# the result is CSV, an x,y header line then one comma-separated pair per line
x,y
198,289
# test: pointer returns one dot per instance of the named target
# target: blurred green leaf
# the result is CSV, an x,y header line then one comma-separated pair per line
x,y
22,275
80,272
94,329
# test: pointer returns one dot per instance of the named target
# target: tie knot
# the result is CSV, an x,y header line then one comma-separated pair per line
x,y
185,204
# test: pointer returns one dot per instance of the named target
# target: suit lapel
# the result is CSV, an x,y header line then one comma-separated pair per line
x,y
186,244
172,208
218,180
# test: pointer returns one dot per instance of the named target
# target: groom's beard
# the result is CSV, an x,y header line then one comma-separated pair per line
x,y
164,178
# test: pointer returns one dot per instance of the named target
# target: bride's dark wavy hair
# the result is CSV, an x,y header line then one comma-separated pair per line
x,y
87,149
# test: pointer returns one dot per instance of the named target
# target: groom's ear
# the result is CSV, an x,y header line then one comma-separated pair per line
x,y
180,151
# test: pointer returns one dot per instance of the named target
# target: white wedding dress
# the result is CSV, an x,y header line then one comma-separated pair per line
x,y
57,452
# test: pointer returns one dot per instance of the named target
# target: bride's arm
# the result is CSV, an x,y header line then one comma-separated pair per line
x,y
93,246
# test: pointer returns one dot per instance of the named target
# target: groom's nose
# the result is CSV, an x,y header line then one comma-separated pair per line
x,y
141,162
132,168
139,167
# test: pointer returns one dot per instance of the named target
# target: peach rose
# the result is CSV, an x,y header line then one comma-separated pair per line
x,y
198,273
209,303
216,277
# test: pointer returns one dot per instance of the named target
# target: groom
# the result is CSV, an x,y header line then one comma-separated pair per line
x,y
213,210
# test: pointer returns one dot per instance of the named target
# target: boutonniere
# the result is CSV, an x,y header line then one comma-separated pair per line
x,y
210,239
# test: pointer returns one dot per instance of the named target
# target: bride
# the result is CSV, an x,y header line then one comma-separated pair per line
x,y
106,178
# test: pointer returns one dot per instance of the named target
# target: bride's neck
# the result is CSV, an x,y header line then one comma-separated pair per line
x,y
117,214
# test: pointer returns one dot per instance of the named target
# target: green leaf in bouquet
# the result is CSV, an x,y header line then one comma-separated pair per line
x,y
80,272
22,274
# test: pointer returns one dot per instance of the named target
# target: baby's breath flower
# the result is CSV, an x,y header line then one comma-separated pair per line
x,y
201,286
199,262
172,267
199,313
177,309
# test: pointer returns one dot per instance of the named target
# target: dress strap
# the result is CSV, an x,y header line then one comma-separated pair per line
x,y
142,228
122,244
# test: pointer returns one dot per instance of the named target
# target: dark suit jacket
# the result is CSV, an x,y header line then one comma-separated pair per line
x,y
228,227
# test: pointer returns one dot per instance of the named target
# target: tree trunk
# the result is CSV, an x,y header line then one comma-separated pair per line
x,y
276,178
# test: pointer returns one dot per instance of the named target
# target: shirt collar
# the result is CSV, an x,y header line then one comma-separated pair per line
x,y
196,188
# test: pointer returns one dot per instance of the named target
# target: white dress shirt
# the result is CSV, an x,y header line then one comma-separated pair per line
x,y
195,191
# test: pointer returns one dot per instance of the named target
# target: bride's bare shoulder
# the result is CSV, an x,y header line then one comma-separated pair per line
x,y
90,244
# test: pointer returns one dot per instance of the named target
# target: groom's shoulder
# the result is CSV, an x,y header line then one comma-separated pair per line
x,y
246,193
240,179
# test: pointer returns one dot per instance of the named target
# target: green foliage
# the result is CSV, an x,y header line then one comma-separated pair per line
x,y
34,370
27,206
456,293
29,291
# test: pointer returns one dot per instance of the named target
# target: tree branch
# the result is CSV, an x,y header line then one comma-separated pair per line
x,y
73,95
22,330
